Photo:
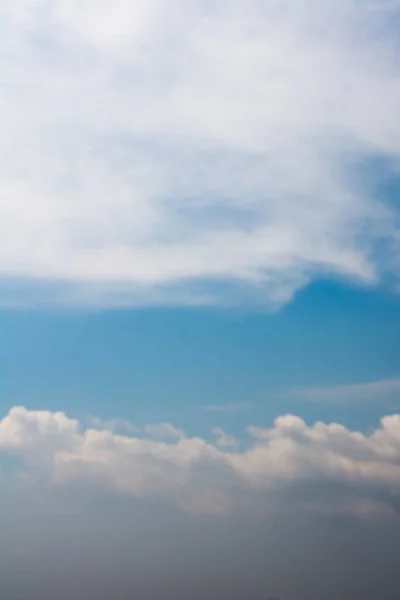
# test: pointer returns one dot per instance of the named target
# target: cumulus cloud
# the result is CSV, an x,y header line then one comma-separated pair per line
x,y
326,467
195,153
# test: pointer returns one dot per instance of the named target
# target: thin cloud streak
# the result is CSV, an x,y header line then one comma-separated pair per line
x,y
356,392
229,407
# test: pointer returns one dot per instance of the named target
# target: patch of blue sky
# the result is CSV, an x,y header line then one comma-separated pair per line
x,y
167,364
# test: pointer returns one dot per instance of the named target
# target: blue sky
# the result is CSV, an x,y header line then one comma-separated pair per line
x,y
199,299
150,365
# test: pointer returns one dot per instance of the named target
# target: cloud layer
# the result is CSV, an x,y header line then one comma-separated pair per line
x,y
195,153
323,467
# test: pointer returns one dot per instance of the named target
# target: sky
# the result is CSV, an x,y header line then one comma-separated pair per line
x,y
199,299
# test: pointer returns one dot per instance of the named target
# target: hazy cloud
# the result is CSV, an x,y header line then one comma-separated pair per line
x,y
164,430
112,424
223,439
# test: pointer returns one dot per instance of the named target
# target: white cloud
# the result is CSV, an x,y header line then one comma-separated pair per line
x,y
203,477
149,150
370,390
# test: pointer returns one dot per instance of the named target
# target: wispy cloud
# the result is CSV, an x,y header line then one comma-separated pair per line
x,y
194,153
371,390
229,407
164,431
223,439
156,431
112,425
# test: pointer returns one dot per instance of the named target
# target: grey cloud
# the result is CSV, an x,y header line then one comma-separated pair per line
x,y
304,513
89,545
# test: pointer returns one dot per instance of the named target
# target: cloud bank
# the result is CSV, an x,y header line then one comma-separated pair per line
x,y
194,153
324,467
